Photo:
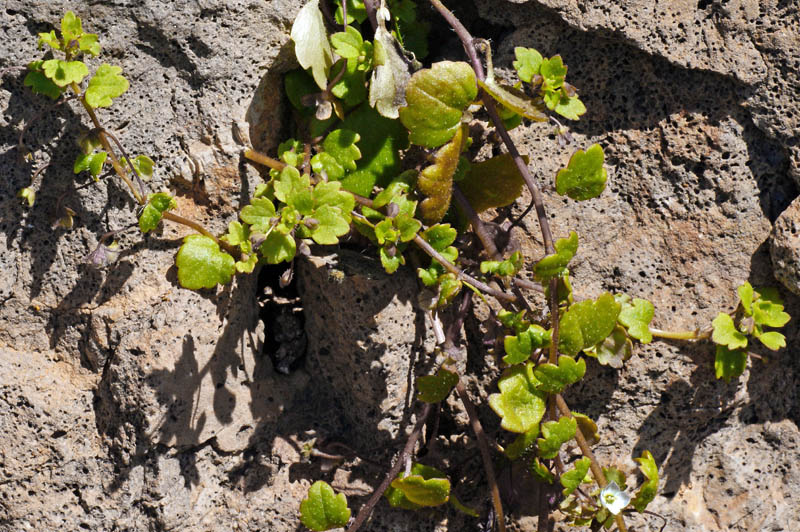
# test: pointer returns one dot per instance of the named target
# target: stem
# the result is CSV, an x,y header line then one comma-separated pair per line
x,y
477,224
679,335
483,445
200,229
450,267
260,158
366,510
594,465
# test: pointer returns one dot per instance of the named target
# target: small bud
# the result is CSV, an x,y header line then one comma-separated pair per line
x,y
392,210
103,255
65,221
286,277
311,223
28,195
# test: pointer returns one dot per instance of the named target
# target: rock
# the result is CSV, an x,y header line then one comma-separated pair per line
x,y
785,247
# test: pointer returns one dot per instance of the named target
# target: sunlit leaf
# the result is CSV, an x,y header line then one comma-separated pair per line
x,y
425,486
519,348
555,265
64,73
106,84
553,379
436,181
519,404
157,204
201,264
636,317
587,323
554,435
574,477
390,74
725,332
324,509
527,63
584,177
311,42
647,491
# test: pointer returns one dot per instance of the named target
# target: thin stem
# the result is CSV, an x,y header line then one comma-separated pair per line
x,y
477,224
483,445
366,510
167,215
452,268
260,158
127,160
679,335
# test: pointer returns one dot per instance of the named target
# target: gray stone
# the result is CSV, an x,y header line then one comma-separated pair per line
x,y
785,247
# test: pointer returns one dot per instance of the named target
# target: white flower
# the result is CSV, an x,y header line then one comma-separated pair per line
x,y
614,499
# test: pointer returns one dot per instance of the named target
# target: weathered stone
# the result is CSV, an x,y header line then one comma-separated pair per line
x,y
785,247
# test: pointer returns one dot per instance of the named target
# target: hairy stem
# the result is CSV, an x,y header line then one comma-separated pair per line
x,y
680,335
260,158
483,445
366,510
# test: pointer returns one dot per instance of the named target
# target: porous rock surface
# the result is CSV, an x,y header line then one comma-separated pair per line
x,y
127,403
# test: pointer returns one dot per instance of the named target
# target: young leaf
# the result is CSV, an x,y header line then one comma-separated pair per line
x,y
554,435
425,486
614,350
553,71
323,509
408,227
504,268
436,180
88,43
587,323
201,264
348,43
436,388
514,99
437,98
64,73
259,214
440,236
574,477
390,261
519,404
151,214
28,195
773,340
584,177
107,83
50,39
238,235
292,187
570,107
92,162
278,247
144,166
527,63
553,379
71,28
331,224
637,317
522,443
311,42
556,265
729,363
540,471
493,183
588,428
647,491
746,294
769,312
341,144
519,348
390,74
725,333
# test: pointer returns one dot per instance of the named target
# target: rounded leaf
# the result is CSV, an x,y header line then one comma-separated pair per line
x,y
201,264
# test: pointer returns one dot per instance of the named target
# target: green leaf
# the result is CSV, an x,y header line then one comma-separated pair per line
x,y
436,181
351,88
247,266
614,350
519,404
50,39
331,225
323,509
40,84
355,11
636,318
555,265
425,486
540,471
522,443
311,42
504,268
436,388
28,195
584,177
553,71
440,236
458,505
519,348
613,474
278,247
555,434
746,294
88,43
293,188
238,235
151,214
341,144
769,312
106,84
725,332
380,145
588,428
331,194
527,63
144,166
390,74
64,73
553,379
773,340
71,27
348,43
201,264
570,107
325,163
91,161
587,323
390,262
514,99
493,183
408,227
259,214
647,491
574,477
437,98
729,363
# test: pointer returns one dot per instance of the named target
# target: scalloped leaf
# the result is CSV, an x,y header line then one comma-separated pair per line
x,y
553,379
341,144
519,404
555,265
554,435
725,332
522,443
278,247
311,46
90,161
587,323
729,363
540,471
584,177
768,311
157,204
201,264
106,84
574,477
425,486
614,350
493,183
71,27
259,214
348,43
64,73
588,428
648,490
324,509
40,84
50,39
527,63
519,348
514,99
636,317
440,236
331,224
436,388
437,98
772,340
436,180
